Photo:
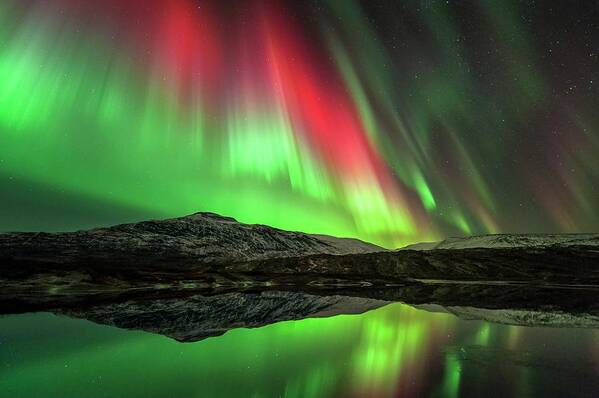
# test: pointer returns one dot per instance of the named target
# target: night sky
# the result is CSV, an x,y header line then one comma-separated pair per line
x,y
390,121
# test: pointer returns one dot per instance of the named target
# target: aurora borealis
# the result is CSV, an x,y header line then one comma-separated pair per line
x,y
393,122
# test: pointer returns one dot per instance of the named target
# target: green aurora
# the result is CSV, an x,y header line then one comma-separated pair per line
x,y
104,119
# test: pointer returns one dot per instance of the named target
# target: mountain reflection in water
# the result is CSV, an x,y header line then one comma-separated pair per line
x,y
393,351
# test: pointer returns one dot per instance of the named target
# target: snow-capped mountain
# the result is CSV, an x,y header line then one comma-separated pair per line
x,y
509,241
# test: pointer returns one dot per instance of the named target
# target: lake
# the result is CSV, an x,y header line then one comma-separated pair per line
x,y
394,351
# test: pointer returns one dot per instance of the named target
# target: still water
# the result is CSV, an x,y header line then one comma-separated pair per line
x,y
394,351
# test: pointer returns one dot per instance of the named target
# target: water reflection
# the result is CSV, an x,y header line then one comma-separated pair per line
x,y
394,351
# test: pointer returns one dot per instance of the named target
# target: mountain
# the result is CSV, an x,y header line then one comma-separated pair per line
x,y
552,264
509,241
200,238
